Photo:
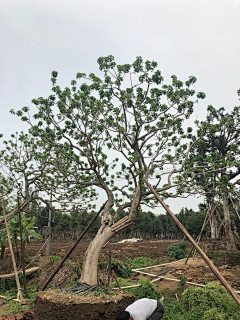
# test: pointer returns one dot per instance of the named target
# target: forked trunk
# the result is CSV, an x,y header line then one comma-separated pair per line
x,y
227,221
90,265
107,230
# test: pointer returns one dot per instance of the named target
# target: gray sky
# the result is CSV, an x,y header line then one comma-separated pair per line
x,y
186,37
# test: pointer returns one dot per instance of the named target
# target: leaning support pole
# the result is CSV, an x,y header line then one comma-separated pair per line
x,y
72,248
207,218
22,247
19,296
196,246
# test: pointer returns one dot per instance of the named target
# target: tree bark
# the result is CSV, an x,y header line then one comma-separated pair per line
x,y
105,233
90,265
227,221
107,230
213,220
214,226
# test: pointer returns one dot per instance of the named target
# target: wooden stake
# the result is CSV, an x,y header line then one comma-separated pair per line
x,y
109,269
20,297
196,246
115,277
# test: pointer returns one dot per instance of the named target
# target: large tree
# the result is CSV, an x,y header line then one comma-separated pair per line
x,y
113,132
219,150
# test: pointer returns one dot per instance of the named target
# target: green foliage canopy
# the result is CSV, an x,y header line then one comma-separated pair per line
x,y
124,126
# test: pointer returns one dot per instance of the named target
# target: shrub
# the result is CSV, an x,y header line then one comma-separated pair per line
x,y
213,314
122,269
146,290
211,303
141,262
178,250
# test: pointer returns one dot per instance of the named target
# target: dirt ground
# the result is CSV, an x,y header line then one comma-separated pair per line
x,y
151,249
195,271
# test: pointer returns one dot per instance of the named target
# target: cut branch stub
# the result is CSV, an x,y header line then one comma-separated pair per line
x,y
121,224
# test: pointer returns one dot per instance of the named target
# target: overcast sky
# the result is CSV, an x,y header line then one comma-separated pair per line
x,y
186,37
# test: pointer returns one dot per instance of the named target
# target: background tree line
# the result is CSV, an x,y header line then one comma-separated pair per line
x,y
147,226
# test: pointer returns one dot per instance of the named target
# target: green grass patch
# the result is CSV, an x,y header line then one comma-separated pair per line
x,y
141,262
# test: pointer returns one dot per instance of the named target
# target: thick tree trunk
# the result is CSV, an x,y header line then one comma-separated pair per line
x,y
213,220
214,226
90,265
227,221
107,230
219,231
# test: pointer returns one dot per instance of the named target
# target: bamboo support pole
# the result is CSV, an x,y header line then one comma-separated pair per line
x,y
121,221
177,280
200,234
147,274
22,247
10,275
19,295
159,265
157,278
191,283
196,246
128,287
14,212
121,224
122,227
106,244
72,248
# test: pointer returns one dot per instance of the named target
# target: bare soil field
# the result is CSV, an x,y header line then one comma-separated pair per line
x,y
195,271
150,249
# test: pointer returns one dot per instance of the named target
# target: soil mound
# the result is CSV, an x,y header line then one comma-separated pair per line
x,y
52,305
